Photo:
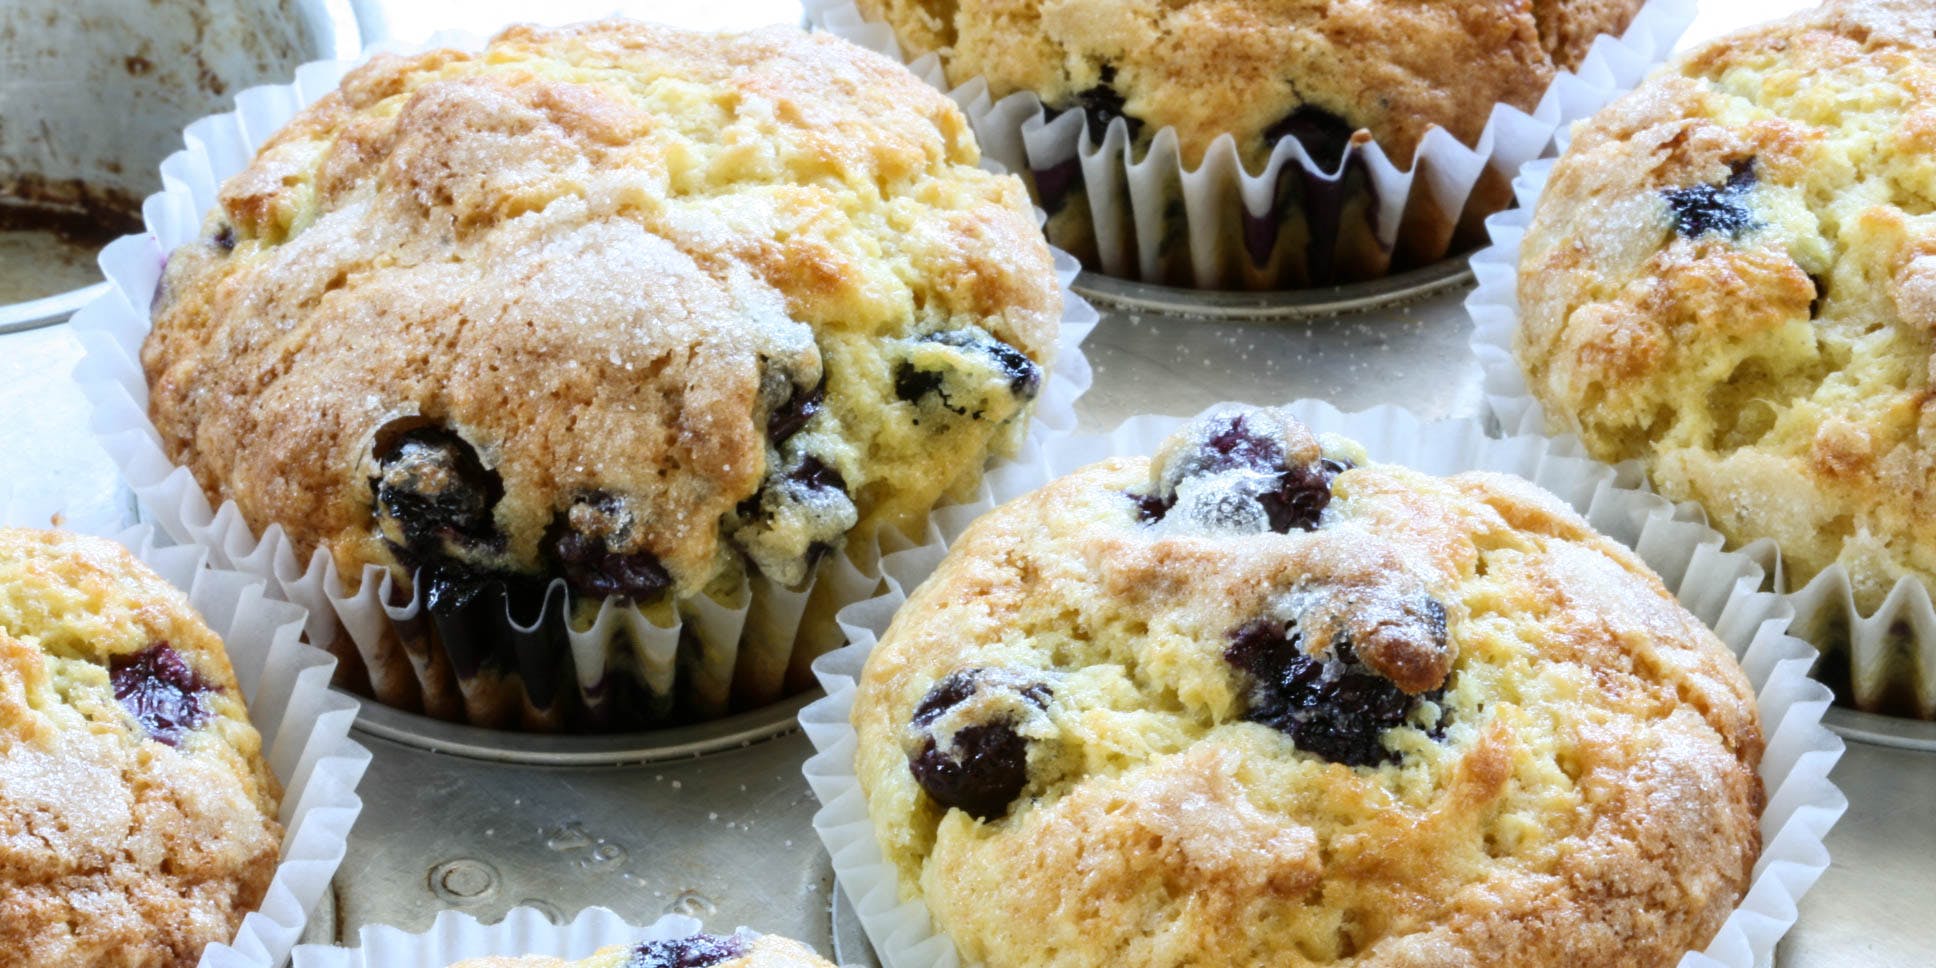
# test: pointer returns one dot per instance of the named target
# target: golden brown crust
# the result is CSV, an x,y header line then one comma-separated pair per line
x,y
1397,67
117,849
1593,800
1778,373
582,251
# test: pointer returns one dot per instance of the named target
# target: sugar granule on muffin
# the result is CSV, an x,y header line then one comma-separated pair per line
x,y
1260,700
137,817
1730,276
652,312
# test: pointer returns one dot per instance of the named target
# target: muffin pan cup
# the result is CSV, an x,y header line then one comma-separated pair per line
x,y
523,931
305,735
1884,662
499,664
1293,225
1720,587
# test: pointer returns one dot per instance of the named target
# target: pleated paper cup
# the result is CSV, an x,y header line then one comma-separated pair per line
x,y
1294,224
1719,587
456,936
1883,662
304,727
499,664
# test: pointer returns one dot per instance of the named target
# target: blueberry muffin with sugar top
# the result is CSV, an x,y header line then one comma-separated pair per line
x,y
742,949
1260,700
1731,276
1262,70
657,314
137,817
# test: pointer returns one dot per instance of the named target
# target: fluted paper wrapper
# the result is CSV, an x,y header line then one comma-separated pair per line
x,y
456,936
304,726
497,669
1218,226
1718,586
1883,662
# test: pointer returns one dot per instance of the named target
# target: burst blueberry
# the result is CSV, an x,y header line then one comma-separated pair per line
x,y
589,563
697,951
436,491
985,765
1722,209
792,416
164,695
1330,705
1103,104
915,383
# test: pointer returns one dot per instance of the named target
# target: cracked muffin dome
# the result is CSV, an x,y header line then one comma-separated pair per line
x,y
1262,70
647,310
1731,277
1261,701
742,949
137,818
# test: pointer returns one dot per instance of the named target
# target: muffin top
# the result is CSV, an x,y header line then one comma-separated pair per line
x,y
1731,276
1259,701
1263,69
641,308
740,950
137,818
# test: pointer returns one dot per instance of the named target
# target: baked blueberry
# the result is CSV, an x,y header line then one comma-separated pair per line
x,y
800,513
433,494
698,951
967,372
1324,135
1102,104
791,417
984,765
1331,705
582,543
224,237
1301,495
161,692
1723,208
1236,477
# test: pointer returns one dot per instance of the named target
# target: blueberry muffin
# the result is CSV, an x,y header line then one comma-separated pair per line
x,y
137,818
742,949
1263,70
1731,277
654,313
1260,701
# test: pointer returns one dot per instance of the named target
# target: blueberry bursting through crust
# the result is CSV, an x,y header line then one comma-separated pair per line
x,y
984,765
1331,705
1253,465
434,504
1721,209
164,695
698,951
955,388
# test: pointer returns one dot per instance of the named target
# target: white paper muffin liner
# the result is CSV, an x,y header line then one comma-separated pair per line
x,y
305,735
1719,587
1230,233
1878,662
455,936
735,653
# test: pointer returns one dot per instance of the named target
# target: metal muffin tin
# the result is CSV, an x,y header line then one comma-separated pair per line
x,y
715,820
